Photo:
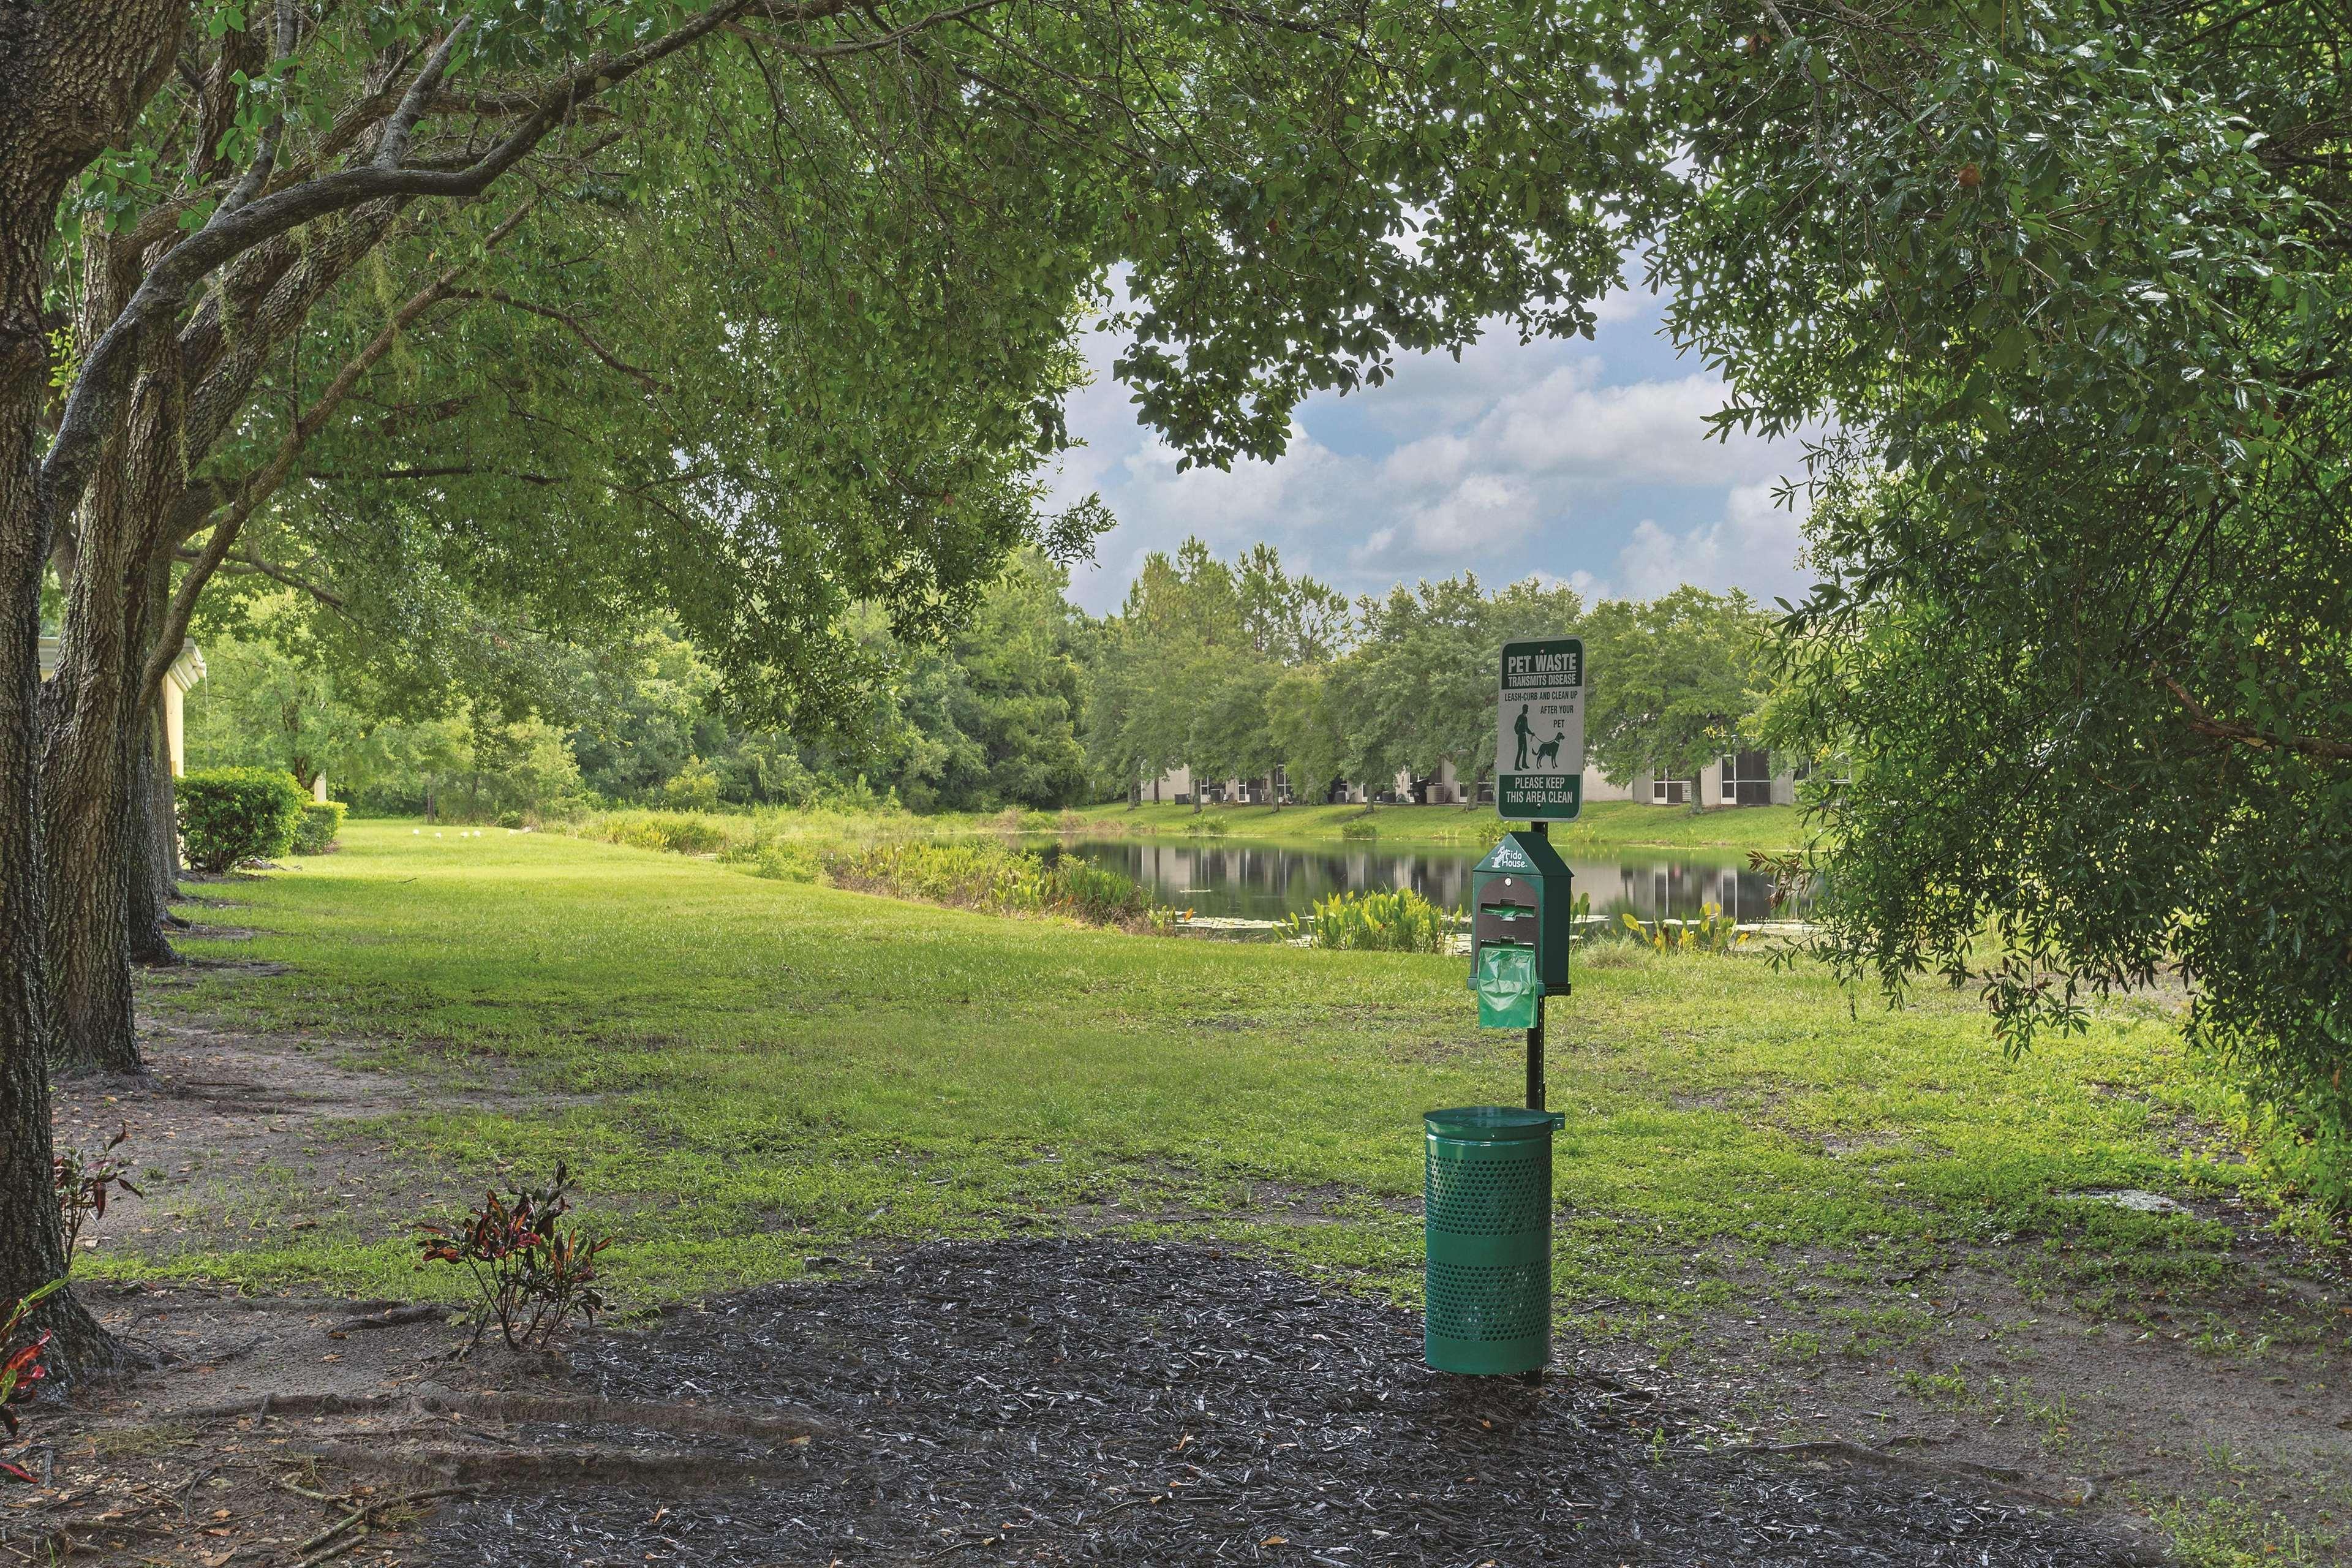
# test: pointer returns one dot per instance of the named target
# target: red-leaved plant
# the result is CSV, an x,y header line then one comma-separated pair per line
x,y
84,1180
21,1370
535,1276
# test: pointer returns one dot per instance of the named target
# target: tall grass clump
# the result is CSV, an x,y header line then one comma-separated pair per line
x,y
982,875
785,860
674,832
1402,921
745,835
1359,827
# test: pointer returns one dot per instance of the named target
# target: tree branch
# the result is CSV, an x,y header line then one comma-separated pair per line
x,y
242,562
262,484
2204,723
393,145
106,373
644,378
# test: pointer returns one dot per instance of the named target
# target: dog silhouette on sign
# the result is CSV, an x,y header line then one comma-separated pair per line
x,y
1547,753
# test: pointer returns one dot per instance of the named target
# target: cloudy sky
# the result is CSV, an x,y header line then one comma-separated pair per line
x,y
1576,461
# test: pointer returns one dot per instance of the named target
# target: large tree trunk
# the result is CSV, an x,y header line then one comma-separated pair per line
x,y
96,714
155,880
86,828
154,838
32,1245
71,78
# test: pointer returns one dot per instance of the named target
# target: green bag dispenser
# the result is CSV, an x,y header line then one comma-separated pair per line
x,y
1520,918
1507,987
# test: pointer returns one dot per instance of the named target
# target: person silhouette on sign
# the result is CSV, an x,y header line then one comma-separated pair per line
x,y
1526,732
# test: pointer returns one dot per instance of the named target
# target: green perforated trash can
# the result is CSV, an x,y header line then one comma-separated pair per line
x,y
1488,1218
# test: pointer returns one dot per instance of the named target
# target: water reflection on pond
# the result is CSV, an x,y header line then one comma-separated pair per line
x,y
1268,881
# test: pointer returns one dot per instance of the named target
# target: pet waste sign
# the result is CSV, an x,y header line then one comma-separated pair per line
x,y
1539,731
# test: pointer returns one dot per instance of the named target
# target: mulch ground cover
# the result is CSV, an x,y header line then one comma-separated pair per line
x,y
1102,1401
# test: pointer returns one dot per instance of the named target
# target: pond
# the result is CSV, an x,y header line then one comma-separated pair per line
x,y
1268,881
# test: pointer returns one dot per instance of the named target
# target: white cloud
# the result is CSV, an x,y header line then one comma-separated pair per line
x,y
1646,432
1482,511
1754,544
1518,460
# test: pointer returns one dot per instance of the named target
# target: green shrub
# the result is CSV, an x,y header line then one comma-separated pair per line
x,y
1093,893
1402,921
696,835
781,861
635,832
1359,827
228,814
322,824
510,819
694,787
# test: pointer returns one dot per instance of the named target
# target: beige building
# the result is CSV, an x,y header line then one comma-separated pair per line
x,y
1176,787
185,671
1742,778
1444,787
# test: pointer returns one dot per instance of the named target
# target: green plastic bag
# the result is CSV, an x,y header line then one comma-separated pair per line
x,y
1506,984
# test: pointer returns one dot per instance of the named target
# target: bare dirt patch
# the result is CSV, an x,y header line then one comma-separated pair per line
x,y
2000,1365
233,1132
272,1422
1051,1400
1096,1401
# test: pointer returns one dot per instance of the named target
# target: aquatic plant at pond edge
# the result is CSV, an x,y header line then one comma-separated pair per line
x,y
1713,931
1401,922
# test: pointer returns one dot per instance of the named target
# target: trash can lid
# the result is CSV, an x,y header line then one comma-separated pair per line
x,y
1492,1123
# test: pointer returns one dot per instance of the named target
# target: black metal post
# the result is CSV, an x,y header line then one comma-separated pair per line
x,y
1541,829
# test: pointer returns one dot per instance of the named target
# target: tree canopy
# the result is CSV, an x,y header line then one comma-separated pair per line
x,y
2068,285
1677,681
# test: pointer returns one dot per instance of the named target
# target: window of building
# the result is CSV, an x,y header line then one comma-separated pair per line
x,y
1669,792
1747,778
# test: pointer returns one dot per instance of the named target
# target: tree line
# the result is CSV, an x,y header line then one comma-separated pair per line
x,y
1230,668
1234,670
989,716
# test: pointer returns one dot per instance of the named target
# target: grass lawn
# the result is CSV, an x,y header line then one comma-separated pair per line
x,y
745,1074
777,1068
1604,825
